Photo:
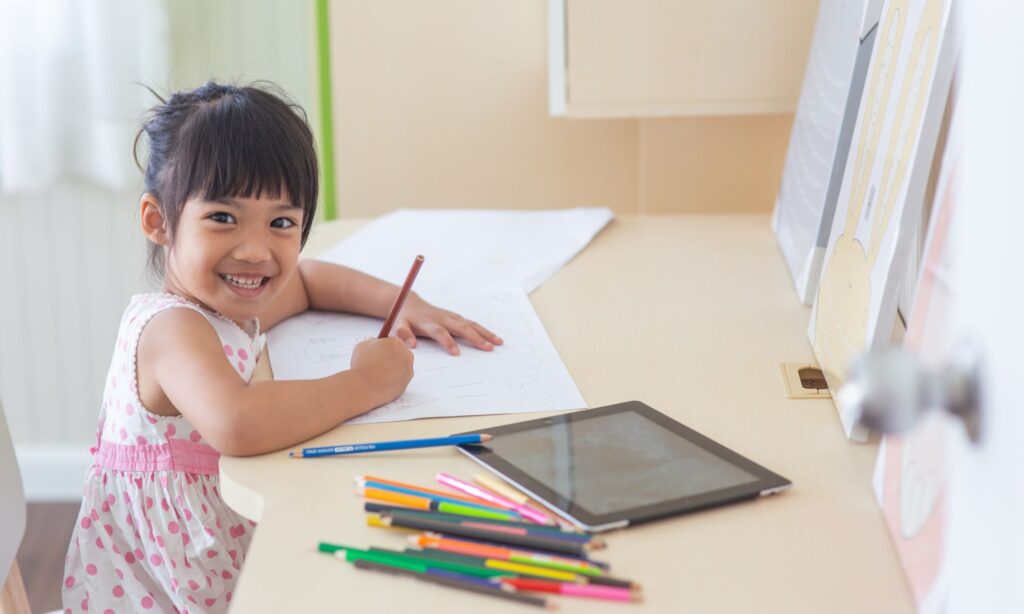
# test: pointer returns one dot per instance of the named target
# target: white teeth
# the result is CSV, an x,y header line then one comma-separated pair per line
x,y
249,283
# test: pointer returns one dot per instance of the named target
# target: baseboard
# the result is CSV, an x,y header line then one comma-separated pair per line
x,y
53,472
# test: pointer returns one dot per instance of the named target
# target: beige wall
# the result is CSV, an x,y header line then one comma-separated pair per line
x,y
444,104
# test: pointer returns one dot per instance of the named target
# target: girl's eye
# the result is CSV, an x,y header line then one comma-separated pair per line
x,y
222,217
283,222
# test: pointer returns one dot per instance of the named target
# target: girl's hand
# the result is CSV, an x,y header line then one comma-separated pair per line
x,y
386,363
420,318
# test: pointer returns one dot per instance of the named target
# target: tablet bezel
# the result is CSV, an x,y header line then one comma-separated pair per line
x,y
766,482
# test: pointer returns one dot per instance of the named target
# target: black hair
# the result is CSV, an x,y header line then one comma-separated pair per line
x,y
226,141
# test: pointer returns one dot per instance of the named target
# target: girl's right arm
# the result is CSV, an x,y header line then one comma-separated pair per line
x,y
182,369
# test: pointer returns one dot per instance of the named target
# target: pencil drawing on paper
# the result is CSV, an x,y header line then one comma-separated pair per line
x,y
330,349
523,374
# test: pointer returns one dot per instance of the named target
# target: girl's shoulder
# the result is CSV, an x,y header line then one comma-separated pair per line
x,y
240,347
142,307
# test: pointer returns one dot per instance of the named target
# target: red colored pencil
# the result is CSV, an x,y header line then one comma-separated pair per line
x,y
411,277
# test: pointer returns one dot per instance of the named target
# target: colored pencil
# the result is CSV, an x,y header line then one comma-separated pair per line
x,y
471,568
576,558
512,527
453,580
458,546
487,563
608,593
524,568
529,527
426,504
532,530
404,292
524,511
362,483
501,488
405,565
422,489
405,444
538,542
380,555
509,492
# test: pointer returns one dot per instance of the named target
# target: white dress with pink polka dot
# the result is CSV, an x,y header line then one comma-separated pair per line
x,y
153,533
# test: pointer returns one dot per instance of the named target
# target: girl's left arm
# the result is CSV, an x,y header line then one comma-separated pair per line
x,y
332,287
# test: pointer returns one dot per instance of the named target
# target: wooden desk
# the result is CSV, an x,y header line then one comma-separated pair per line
x,y
693,315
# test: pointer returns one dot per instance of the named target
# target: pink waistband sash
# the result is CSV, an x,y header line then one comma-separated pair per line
x,y
176,455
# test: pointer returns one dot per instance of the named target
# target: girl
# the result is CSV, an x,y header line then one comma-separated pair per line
x,y
230,195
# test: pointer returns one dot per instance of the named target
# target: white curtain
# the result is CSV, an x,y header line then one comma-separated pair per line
x,y
70,88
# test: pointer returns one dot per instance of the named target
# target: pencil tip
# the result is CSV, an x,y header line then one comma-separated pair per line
x,y
486,438
291,454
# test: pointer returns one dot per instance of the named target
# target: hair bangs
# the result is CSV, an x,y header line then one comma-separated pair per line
x,y
237,147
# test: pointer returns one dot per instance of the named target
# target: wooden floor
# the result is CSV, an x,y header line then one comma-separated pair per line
x,y
41,555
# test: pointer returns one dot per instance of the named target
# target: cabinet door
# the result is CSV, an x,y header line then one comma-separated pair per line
x,y
630,58
985,554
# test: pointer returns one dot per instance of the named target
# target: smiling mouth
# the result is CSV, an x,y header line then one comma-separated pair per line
x,y
245,282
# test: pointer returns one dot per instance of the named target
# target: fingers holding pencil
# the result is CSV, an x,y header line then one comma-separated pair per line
x,y
420,318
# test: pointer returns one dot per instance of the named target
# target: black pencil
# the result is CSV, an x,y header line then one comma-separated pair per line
x,y
455,582
530,527
472,559
536,542
583,560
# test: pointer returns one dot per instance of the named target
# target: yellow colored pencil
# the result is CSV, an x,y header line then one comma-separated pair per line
x,y
501,488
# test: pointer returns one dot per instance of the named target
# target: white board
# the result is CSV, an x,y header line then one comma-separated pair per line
x,y
820,138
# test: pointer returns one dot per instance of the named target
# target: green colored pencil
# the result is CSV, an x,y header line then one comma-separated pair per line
x,y
381,555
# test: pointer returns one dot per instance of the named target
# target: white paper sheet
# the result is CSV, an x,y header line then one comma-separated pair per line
x,y
523,375
470,250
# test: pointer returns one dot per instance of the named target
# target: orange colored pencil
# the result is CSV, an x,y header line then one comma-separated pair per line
x,y
440,493
399,498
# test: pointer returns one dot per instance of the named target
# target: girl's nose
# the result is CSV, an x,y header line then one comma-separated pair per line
x,y
254,248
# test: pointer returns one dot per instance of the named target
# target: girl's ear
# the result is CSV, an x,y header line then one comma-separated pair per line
x,y
154,225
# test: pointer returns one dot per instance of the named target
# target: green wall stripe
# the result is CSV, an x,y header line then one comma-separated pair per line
x,y
323,47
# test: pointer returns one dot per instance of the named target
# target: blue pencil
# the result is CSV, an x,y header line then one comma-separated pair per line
x,y
359,448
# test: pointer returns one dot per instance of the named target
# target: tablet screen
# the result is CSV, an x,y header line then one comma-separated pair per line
x,y
617,462
620,464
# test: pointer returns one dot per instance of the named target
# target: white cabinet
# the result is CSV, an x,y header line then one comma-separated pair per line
x,y
646,58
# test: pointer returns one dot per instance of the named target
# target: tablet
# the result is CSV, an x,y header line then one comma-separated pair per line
x,y
620,465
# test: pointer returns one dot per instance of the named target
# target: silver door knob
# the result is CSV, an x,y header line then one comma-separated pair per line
x,y
891,388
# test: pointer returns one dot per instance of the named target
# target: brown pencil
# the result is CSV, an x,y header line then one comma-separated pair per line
x,y
404,292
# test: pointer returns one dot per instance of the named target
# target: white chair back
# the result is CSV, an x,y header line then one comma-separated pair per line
x,y
12,503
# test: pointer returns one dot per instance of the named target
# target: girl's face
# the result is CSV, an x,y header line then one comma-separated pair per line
x,y
236,255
